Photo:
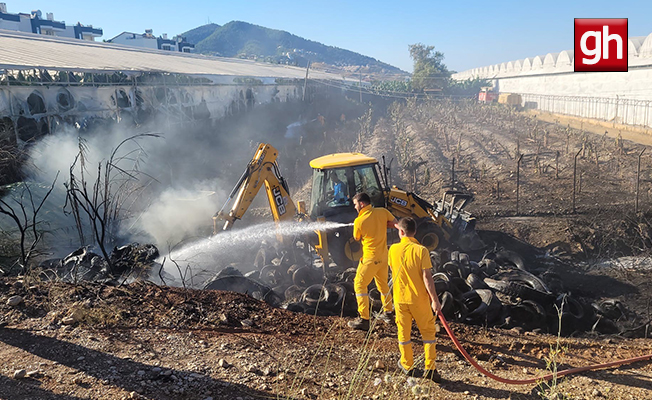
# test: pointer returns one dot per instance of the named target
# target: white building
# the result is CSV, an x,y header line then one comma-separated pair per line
x,y
146,39
149,41
34,23
549,83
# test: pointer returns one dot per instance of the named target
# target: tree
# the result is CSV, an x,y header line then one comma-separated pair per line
x,y
98,206
24,214
430,72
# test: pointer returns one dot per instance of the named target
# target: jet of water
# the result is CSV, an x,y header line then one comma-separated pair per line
x,y
205,253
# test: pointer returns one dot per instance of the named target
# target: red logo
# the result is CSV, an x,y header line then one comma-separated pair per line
x,y
601,45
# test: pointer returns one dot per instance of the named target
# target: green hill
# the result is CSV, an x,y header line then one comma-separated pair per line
x,y
245,40
200,33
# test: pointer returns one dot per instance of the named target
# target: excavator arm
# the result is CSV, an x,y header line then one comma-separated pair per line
x,y
261,170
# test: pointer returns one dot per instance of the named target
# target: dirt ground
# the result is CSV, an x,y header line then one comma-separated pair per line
x,y
144,341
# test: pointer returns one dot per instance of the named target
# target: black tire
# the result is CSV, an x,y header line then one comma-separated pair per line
x,y
605,326
524,278
452,268
314,296
336,294
350,307
292,269
272,275
477,316
458,286
435,259
441,282
494,306
540,311
348,275
255,275
240,284
516,289
272,298
293,293
228,271
280,290
374,299
529,314
474,268
507,258
610,308
464,270
570,306
553,281
296,307
471,300
476,282
447,305
304,276
461,312
441,276
319,311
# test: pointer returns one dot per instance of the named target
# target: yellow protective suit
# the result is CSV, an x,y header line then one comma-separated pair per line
x,y
408,259
370,228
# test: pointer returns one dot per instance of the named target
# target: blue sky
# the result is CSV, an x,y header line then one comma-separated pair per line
x,y
470,33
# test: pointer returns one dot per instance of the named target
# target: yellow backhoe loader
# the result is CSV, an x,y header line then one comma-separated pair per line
x,y
336,179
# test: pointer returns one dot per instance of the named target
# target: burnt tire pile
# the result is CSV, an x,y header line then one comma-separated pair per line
x,y
130,261
496,291
299,288
499,291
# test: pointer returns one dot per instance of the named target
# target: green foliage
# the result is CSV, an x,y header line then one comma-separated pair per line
x,y
430,72
550,390
200,33
248,81
391,86
253,47
469,87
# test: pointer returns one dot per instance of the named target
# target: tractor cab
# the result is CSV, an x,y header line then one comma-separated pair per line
x,y
336,178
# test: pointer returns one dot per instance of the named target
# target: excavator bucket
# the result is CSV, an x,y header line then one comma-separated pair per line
x,y
464,234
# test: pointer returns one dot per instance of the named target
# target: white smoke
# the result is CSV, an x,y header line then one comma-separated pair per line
x,y
178,213
158,205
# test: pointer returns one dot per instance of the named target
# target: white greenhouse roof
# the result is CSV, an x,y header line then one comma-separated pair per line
x,y
20,50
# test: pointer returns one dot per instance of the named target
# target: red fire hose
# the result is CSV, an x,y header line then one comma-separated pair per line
x,y
538,379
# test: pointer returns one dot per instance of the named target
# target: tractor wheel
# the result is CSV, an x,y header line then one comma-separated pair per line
x,y
431,236
353,250
337,247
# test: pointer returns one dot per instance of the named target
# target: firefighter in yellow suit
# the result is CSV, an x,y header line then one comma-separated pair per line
x,y
414,298
370,227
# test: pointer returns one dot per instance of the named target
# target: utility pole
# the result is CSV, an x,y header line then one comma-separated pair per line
x,y
305,82
575,176
453,174
518,181
360,85
638,179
